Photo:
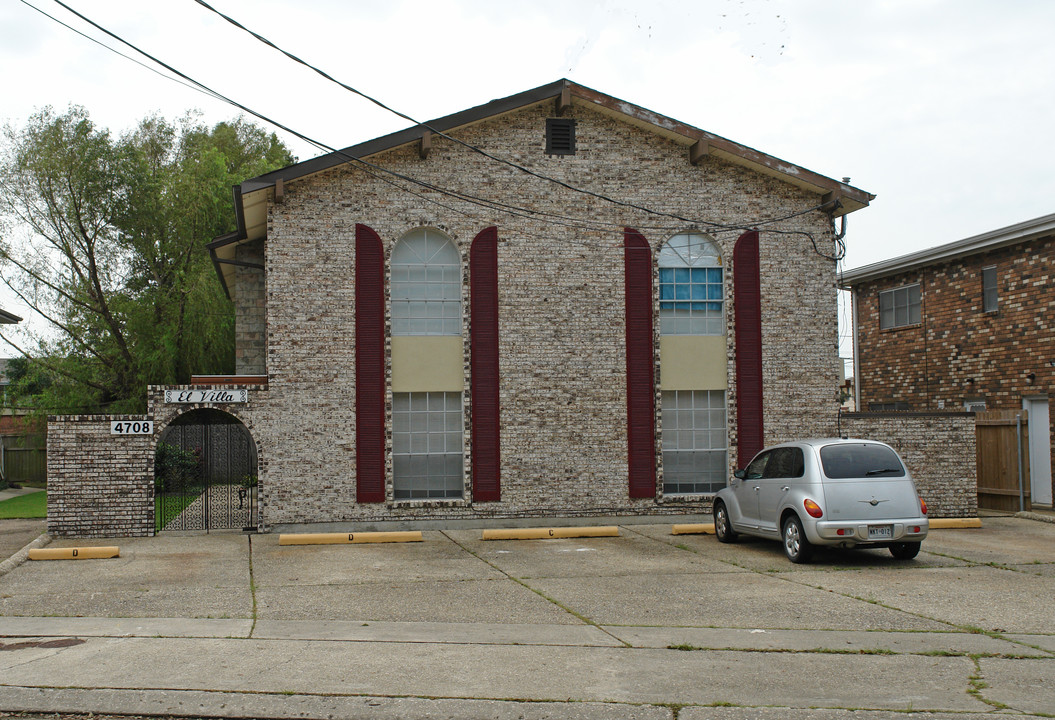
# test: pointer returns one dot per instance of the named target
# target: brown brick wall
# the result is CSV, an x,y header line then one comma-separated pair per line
x,y
959,352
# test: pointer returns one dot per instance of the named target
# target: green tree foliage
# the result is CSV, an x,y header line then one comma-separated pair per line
x,y
105,238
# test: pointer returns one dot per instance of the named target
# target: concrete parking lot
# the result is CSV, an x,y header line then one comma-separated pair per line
x,y
644,625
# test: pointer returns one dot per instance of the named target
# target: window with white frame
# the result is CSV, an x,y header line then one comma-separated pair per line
x,y
691,296
427,445
990,293
694,441
426,285
899,307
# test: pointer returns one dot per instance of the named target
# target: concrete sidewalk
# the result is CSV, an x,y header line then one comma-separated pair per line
x,y
646,625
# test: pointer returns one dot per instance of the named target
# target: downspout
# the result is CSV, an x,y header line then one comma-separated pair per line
x,y
926,336
857,351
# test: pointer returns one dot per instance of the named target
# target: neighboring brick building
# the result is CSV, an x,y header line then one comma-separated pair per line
x,y
428,333
967,325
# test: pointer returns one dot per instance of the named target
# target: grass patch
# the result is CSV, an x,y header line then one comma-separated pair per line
x,y
30,505
168,507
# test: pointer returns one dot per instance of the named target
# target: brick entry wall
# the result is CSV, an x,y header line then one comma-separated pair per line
x,y
99,485
939,449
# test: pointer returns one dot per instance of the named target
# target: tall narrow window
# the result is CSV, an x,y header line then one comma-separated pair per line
x,y
427,420
692,302
690,287
990,295
426,285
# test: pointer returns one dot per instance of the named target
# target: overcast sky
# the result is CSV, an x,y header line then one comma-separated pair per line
x,y
942,108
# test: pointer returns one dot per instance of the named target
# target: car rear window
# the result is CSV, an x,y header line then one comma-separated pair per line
x,y
860,461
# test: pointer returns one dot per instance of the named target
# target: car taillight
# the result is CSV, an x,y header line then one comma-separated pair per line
x,y
923,506
812,508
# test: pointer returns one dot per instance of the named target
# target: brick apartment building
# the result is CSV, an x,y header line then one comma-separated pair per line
x,y
557,304
966,325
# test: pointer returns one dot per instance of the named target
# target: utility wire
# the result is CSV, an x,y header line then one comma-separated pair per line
x,y
377,171
118,52
483,152
483,202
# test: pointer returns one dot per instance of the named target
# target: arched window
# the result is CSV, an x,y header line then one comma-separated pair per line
x,y
426,285
427,419
691,303
690,286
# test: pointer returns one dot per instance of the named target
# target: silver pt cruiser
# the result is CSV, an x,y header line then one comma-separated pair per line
x,y
836,491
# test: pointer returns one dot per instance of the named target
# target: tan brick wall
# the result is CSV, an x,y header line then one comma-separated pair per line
x,y
939,449
99,485
562,347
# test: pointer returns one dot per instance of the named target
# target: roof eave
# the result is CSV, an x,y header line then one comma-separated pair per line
x,y
851,198
992,240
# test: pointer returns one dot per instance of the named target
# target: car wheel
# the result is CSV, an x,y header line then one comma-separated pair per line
x,y
796,545
723,529
904,550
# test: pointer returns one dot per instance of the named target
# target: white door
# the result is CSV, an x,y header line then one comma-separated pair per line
x,y
1039,450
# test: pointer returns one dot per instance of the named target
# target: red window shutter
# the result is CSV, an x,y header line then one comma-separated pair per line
x,y
369,366
483,345
640,365
747,297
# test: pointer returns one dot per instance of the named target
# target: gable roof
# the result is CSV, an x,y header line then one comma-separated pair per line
x,y
994,239
251,196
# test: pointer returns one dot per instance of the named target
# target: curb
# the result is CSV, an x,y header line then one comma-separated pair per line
x,y
1036,516
20,557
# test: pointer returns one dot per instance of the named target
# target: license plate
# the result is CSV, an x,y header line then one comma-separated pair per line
x,y
880,531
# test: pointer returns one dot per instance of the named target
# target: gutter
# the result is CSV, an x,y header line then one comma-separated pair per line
x,y
992,240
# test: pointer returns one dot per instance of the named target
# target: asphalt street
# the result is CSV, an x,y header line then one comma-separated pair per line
x,y
644,625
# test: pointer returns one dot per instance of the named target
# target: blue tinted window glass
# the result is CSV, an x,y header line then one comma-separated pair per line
x,y
681,275
714,275
714,292
666,275
699,292
666,306
666,291
699,275
714,307
681,292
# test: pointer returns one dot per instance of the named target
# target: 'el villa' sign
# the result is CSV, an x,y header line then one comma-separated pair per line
x,y
206,396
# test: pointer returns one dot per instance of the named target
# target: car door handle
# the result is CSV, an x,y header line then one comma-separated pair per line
x,y
757,488
786,488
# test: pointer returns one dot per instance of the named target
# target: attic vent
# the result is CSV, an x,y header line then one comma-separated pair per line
x,y
560,136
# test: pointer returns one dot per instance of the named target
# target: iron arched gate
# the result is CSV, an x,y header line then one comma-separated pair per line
x,y
205,474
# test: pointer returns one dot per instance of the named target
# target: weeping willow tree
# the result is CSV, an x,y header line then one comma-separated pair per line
x,y
104,238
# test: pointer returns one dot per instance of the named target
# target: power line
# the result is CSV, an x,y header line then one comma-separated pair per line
x,y
117,52
366,165
476,149
377,171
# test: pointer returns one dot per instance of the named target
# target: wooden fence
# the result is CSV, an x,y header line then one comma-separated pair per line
x,y
23,459
1003,447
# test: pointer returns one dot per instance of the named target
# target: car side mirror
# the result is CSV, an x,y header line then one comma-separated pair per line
x,y
740,474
